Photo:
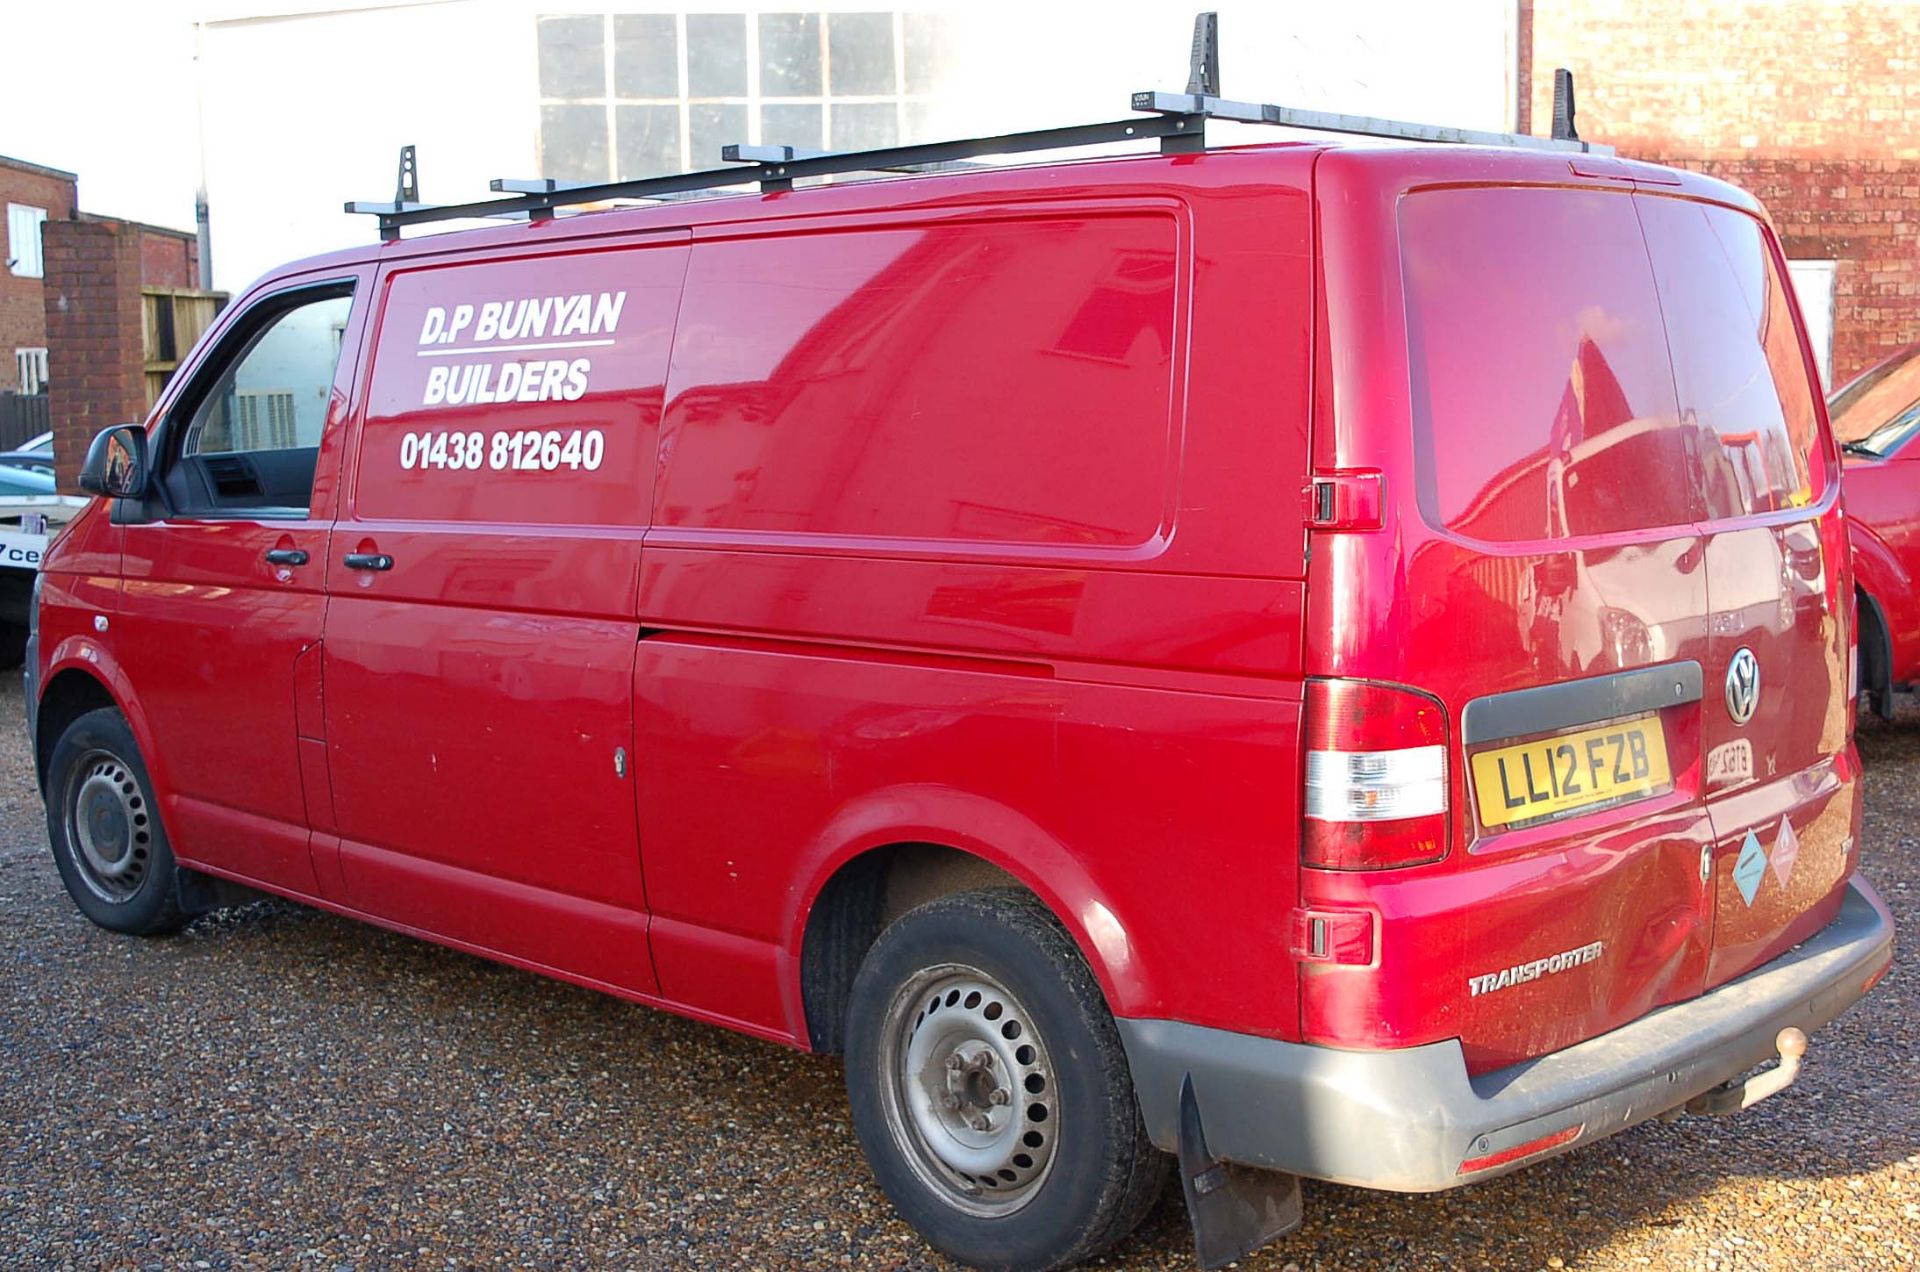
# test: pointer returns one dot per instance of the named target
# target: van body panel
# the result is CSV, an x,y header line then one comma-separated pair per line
x,y
762,760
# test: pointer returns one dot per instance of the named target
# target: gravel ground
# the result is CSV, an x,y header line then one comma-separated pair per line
x,y
281,1088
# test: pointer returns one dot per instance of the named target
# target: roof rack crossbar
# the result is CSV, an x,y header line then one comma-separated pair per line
x,y
1177,120
1191,105
743,152
541,196
548,185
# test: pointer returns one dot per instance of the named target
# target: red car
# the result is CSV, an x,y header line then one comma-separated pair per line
x,y
1328,661
1875,418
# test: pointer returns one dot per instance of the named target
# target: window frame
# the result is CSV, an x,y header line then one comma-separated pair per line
x,y
28,260
235,342
31,368
753,100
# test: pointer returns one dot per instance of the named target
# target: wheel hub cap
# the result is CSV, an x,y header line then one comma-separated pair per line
x,y
109,831
971,1099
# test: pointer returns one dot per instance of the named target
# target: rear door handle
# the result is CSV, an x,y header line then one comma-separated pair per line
x,y
286,556
368,561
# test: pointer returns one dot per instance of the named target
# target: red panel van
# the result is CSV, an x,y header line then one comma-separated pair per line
x,y
1330,661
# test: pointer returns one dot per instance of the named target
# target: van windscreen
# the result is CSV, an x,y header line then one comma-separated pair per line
x,y
1542,397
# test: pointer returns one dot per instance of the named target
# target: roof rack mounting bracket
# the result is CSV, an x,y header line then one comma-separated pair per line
x,y
406,188
1563,129
1203,64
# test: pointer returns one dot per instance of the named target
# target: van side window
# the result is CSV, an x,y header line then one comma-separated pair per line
x,y
1738,367
250,439
982,382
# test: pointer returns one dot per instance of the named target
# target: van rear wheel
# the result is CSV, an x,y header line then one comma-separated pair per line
x,y
989,1088
108,844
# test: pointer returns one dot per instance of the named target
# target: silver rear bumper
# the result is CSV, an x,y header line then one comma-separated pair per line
x,y
1409,1120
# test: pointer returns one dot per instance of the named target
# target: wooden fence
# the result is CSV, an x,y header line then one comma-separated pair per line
x,y
22,416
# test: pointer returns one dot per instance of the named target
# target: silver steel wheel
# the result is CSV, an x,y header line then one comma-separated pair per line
x,y
109,831
967,1087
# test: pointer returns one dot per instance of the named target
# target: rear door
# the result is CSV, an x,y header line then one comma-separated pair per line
x,y
1541,574
1779,765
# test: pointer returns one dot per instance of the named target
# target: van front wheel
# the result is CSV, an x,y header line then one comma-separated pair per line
x,y
989,1088
105,831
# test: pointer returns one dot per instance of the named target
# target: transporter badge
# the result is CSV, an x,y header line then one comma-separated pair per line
x,y
1520,973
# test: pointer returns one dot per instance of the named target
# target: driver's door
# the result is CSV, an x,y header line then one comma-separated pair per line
x,y
220,622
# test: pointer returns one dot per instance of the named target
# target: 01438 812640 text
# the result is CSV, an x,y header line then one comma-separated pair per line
x,y
506,450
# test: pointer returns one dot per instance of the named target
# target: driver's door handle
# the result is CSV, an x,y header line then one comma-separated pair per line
x,y
286,556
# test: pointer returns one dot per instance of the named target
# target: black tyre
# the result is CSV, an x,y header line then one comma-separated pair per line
x,y
989,1088
105,829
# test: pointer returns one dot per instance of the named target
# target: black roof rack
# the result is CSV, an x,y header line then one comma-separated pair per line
x,y
1177,120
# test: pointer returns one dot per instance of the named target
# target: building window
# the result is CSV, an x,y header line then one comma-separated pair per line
x,y
1813,287
23,240
32,366
624,96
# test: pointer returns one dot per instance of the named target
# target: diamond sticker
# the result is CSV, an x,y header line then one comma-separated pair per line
x,y
1786,848
1750,868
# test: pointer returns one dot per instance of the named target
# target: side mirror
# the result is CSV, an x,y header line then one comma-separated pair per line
x,y
117,463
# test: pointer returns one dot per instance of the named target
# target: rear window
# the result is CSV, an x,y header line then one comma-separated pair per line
x,y
1738,368
1567,345
1542,394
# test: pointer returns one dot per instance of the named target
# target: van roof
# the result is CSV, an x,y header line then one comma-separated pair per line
x,y
1286,163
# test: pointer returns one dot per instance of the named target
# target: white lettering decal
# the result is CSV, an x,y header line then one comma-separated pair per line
x,y
576,385
488,328
537,313
510,381
435,324
437,385
606,314
575,313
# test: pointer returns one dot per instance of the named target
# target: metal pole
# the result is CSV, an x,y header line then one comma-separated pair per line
x,y
202,224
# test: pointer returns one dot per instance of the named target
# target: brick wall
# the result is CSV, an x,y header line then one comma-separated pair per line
x,y
94,319
168,258
22,315
1812,105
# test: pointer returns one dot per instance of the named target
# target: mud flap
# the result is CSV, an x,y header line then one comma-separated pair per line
x,y
1235,1209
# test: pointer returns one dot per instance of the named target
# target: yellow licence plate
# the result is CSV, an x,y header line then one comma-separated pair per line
x,y
1533,781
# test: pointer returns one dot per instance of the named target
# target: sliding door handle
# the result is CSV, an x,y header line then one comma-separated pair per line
x,y
368,561
286,556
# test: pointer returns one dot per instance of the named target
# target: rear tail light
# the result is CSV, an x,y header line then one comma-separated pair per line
x,y
1376,793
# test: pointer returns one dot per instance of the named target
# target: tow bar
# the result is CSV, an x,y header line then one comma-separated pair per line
x,y
1731,1097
